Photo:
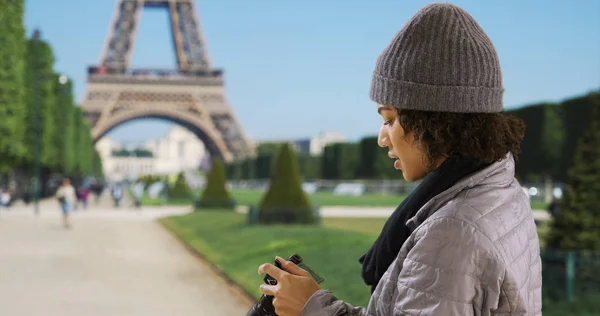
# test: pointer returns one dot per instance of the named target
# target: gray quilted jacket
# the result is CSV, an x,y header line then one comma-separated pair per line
x,y
475,251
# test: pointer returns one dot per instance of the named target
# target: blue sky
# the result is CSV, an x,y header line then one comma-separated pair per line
x,y
296,68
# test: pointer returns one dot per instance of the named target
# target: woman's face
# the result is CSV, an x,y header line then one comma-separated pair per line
x,y
401,146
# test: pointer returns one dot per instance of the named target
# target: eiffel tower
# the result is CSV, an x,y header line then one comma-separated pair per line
x,y
192,95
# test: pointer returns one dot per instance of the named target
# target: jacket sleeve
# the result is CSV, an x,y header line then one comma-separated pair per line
x,y
442,274
323,303
445,271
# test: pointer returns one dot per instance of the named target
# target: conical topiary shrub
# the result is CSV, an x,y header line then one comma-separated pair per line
x,y
577,225
285,202
180,189
215,193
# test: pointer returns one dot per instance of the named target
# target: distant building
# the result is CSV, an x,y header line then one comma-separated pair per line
x,y
179,150
302,146
313,145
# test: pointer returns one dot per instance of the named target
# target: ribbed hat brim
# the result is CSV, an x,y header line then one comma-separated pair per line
x,y
418,96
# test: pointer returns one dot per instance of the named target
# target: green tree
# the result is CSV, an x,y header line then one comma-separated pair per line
x,y
576,114
234,170
77,119
98,168
269,149
577,226
71,155
551,137
552,140
12,66
263,165
141,152
285,201
529,167
309,166
40,73
63,122
83,145
215,194
87,154
367,158
248,167
340,161
328,161
180,190
148,180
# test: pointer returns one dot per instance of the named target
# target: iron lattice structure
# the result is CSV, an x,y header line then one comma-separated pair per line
x,y
192,95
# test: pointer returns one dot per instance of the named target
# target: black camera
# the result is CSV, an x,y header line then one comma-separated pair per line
x,y
264,307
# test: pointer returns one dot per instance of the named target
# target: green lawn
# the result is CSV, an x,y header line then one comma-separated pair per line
x,y
332,250
148,201
224,239
369,226
252,197
539,205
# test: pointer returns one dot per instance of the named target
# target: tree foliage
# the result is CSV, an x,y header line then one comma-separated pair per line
x,y
37,110
373,161
553,131
577,225
138,152
309,166
41,102
215,194
285,201
63,121
12,67
180,188
340,161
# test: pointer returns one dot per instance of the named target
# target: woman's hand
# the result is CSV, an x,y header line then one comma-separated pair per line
x,y
294,287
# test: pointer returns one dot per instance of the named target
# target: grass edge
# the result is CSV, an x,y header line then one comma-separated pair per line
x,y
245,295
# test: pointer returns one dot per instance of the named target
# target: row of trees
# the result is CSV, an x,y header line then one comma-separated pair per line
x,y
362,160
553,132
547,151
285,202
139,152
39,115
577,225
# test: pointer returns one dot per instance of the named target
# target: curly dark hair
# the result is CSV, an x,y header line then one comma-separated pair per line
x,y
485,137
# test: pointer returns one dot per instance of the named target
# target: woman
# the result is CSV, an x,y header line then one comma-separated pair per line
x,y
464,242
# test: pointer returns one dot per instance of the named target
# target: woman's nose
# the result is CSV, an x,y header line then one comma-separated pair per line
x,y
382,139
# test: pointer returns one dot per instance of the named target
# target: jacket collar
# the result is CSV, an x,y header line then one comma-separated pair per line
x,y
498,174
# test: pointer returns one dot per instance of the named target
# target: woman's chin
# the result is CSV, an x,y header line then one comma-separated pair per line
x,y
413,176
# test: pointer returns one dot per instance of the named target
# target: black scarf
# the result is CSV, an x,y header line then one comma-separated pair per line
x,y
395,232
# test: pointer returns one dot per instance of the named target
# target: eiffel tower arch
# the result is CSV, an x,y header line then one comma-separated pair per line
x,y
192,95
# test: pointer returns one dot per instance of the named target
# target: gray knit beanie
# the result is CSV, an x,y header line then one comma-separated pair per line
x,y
441,60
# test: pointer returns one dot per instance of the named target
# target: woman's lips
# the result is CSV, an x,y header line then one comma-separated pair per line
x,y
397,163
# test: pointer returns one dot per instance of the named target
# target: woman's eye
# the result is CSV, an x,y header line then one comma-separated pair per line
x,y
388,122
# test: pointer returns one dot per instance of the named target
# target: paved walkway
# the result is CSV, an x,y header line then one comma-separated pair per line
x,y
113,262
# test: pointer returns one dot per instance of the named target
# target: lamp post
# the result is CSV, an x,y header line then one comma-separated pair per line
x,y
37,120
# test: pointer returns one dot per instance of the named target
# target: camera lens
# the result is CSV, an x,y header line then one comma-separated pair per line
x,y
264,307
